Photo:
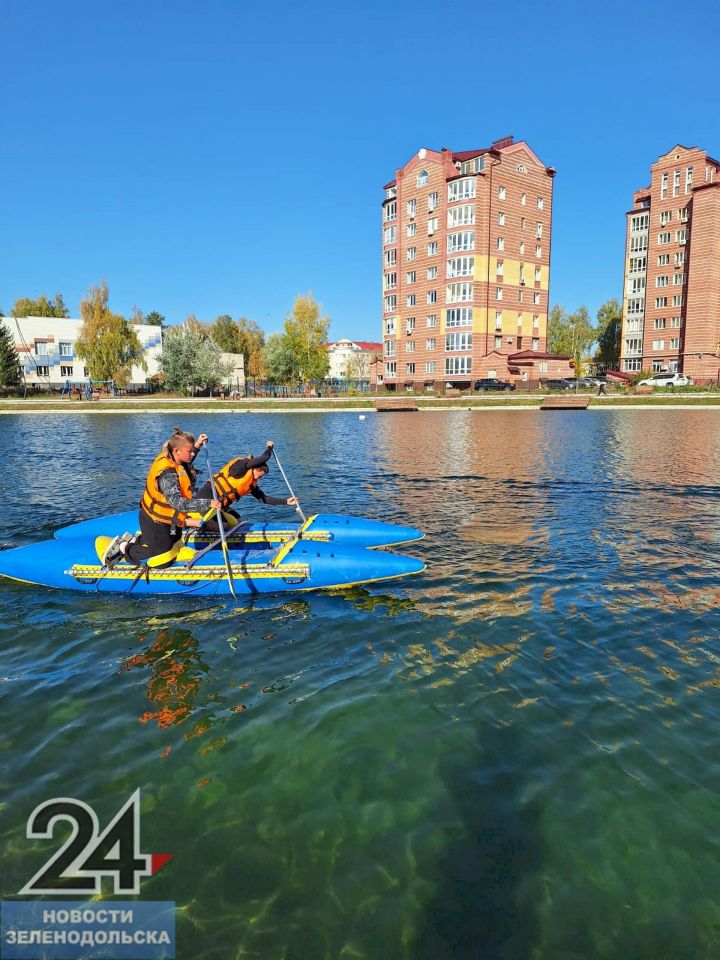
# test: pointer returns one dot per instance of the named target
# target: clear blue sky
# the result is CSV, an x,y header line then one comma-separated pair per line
x,y
222,157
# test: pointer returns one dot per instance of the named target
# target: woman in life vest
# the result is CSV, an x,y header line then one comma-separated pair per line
x,y
239,477
167,500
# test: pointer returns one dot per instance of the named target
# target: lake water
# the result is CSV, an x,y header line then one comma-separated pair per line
x,y
513,755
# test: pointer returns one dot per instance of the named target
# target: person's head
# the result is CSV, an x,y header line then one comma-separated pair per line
x,y
260,472
180,446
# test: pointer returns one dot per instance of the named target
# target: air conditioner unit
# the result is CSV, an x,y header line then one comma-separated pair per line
x,y
510,340
522,283
682,241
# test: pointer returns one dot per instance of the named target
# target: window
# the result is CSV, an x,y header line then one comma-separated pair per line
x,y
461,267
389,235
65,348
657,366
430,366
501,219
538,229
390,258
500,268
665,217
538,250
675,321
41,348
390,326
432,248
683,214
679,258
676,183
473,166
411,206
432,273
498,319
536,321
675,343
461,241
433,199
522,223
536,297
411,253
522,248
498,343
409,324
631,366
461,189
410,276
662,281
659,324
390,281
432,296
409,346
498,293
638,244
410,300
639,222
390,211
66,371
660,301
688,179
455,366
677,300
663,238
678,279
664,186
422,178
680,235
523,199
540,203
636,305
663,260
633,346
391,192
390,368
636,285
430,343
520,296
543,366
457,292
501,243
409,368
521,168
432,225
431,320
538,274
390,303
459,216
658,344
501,193
390,347
459,317
411,229
535,343
42,371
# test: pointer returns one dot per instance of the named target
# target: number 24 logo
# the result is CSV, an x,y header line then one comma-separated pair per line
x,y
89,855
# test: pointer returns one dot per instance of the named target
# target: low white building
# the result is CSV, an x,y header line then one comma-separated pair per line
x,y
350,359
46,349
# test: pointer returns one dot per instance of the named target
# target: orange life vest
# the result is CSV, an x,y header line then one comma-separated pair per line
x,y
154,502
229,489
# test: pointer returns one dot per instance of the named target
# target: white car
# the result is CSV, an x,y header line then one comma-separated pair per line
x,y
666,380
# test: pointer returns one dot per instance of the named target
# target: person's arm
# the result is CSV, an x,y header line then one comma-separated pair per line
x,y
241,467
272,501
202,439
170,487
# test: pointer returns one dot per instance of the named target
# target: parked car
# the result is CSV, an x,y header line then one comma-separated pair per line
x,y
666,379
556,385
581,383
491,383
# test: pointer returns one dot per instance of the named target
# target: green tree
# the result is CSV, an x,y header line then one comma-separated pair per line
x,y
252,341
609,329
42,307
279,360
225,333
10,374
154,319
191,360
307,332
106,342
570,334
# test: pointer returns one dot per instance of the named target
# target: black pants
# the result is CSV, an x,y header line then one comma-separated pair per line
x,y
155,538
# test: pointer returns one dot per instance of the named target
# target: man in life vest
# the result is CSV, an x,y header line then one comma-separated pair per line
x,y
239,477
166,503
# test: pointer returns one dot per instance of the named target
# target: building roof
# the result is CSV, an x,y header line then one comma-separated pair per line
x,y
535,355
362,344
391,184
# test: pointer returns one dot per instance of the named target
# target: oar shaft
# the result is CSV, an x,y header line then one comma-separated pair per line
x,y
287,483
221,525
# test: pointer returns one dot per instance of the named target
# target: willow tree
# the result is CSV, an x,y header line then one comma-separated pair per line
x,y
106,341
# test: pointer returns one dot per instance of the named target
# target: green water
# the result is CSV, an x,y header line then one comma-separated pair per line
x,y
512,755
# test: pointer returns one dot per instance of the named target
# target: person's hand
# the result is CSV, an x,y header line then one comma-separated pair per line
x,y
216,505
193,522
202,439
292,502
270,444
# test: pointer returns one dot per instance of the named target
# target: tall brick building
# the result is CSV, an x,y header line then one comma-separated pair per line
x,y
466,268
671,299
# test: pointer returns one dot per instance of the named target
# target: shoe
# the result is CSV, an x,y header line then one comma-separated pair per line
x,y
112,553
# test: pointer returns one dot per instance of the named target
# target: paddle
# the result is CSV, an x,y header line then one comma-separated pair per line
x,y
297,507
221,525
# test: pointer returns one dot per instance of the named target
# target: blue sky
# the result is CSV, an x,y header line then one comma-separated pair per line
x,y
221,158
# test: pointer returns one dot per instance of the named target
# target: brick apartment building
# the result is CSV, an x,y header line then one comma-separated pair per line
x,y
466,268
671,299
